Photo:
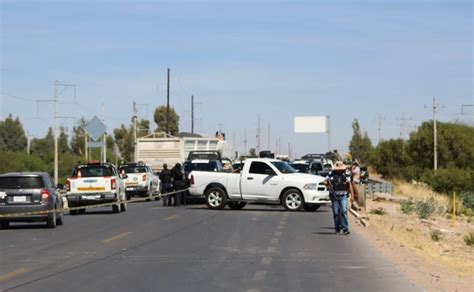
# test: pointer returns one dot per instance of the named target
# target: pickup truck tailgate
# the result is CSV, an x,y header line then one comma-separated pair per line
x,y
91,185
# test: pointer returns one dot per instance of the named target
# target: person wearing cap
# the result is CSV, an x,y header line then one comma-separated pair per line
x,y
339,183
355,181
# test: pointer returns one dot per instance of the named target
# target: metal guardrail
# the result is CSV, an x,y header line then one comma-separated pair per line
x,y
377,186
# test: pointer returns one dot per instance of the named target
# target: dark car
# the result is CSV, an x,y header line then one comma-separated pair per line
x,y
29,192
311,167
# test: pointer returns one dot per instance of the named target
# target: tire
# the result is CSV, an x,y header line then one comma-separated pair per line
x,y
123,207
116,208
73,212
311,207
60,219
4,224
237,205
293,200
216,198
82,211
128,196
51,221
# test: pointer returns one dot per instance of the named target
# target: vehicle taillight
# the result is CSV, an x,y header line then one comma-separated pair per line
x,y
144,177
45,194
68,185
191,180
113,184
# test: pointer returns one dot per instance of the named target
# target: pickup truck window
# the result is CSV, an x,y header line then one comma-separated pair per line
x,y
94,171
260,168
134,169
283,167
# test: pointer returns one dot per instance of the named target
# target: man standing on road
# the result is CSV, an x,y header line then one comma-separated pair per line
x,y
178,182
166,184
339,181
355,181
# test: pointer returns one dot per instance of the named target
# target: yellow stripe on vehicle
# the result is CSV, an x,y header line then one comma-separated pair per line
x,y
92,189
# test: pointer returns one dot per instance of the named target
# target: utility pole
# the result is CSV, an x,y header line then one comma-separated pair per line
x,y
168,104
289,150
380,127
245,141
435,135
258,136
269,146
104,139
279,145
134,131
192,114
56,142
404,125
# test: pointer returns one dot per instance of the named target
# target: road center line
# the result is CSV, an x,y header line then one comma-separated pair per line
x,y
271,249
275,240
259,275
266,261
121,235
281,227
278,233
170,218
14,274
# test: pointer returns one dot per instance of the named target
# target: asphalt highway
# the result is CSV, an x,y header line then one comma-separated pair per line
x,y
192,248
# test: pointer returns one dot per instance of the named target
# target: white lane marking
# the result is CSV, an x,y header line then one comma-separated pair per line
x,y
259,275
278,233
271,249
281,227
266,261
275,240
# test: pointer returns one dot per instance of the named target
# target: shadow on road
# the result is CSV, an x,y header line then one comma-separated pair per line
x,y
324,233
253,209
22,226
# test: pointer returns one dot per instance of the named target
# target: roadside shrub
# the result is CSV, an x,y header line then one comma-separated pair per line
x,y
379,211
436,235
469,239
448,180
407,206
468,200
425,208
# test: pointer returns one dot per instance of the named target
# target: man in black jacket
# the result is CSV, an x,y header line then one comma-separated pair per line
x,y
178,183
166,179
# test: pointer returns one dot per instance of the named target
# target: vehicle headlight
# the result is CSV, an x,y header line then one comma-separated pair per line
x,y
310,186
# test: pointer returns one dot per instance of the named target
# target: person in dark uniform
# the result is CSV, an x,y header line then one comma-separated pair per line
x,y
178,183
166,184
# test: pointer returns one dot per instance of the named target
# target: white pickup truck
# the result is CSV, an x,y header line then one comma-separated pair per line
x,y
95,183
260,180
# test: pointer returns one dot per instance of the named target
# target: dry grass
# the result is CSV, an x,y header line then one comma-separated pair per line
x,y
418,192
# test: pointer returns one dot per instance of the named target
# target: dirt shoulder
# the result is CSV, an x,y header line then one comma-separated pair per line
x,y
446,265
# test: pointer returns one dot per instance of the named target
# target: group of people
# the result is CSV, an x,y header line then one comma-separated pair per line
x,y
343,184
173,185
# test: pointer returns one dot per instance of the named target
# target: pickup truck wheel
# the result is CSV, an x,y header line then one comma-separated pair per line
x,y
293,200
82,211
311,207
216,198
123,207
116,208
73,212
237,205
4,224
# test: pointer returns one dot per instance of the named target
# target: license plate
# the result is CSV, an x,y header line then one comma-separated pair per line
x,y
19,199
95,197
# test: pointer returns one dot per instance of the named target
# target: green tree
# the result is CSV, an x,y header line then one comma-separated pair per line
x,y
63,144
77,139
44,147
391,158
124,139
160,120
360,145
12,135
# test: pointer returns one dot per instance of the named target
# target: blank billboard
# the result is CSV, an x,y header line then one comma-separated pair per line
x,y
311,124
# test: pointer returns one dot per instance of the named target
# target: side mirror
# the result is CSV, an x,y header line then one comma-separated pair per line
x,y
124,176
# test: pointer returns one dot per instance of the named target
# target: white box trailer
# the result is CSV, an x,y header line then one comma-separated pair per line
x,y
157,150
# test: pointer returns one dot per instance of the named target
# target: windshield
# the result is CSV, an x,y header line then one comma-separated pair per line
x,y
21,183
300,167
93,171
283,167
134,169
211,166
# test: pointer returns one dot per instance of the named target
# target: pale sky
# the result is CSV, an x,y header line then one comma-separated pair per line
x,y
279,59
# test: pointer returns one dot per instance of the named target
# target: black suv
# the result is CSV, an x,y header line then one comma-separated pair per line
x,y
29,192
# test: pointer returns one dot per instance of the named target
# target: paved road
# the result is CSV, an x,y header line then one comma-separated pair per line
x,y
192,248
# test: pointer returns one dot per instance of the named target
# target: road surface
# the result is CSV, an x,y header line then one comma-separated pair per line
x,y
192,248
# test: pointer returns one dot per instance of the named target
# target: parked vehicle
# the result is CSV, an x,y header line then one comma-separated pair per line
x,y
29,192
141,180
158,149
266,154
261,180
96,183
